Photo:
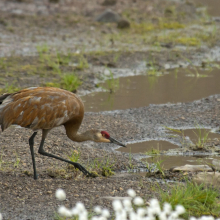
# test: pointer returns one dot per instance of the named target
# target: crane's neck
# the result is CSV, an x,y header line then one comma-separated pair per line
x,y
79,137
72,132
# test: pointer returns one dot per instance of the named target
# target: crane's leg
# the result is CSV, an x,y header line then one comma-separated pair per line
x,y
76,165
31,143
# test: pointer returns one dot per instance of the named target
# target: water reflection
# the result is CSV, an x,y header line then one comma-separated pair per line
x,y
212,6
148,147
168,162
139,91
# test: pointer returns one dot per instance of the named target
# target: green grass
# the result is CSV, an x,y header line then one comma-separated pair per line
x,y
153,151
16,163
202,137
82,63
112,83
70,82
9,88
75,156
197,199
130,166
102,167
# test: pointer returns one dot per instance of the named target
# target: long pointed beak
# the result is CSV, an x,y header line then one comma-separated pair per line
x,y
116,142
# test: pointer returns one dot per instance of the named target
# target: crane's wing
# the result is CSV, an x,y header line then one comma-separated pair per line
x,y
40,108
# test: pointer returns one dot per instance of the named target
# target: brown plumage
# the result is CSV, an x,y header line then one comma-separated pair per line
x,y
43,108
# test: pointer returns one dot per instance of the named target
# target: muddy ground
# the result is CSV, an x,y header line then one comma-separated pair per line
x,y
68,26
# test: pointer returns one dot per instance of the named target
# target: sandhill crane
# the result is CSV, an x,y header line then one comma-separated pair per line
x,y
43,108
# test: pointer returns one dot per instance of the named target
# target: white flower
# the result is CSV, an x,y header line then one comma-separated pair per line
x,y
98,209
162,216
62,210
132,216
95,218
127,205
122,215
155,206
131,193
105,213
207,218
1,216
74,211
141,212
154,203
180,210
83,215
80,207
138,201
60,194
150,212
192,218
167,208
174,215
117,206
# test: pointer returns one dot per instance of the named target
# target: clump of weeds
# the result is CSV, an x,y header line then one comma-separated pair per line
x,y
202,139
75,156
70,82
112,83
197,199
102,167
153,151
130,166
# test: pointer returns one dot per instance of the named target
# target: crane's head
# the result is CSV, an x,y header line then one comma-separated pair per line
x,y
104,136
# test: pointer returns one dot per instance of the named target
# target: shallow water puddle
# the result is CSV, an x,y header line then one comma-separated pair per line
x,y
196,134
148,146
155,147
213,6
168,162
142,90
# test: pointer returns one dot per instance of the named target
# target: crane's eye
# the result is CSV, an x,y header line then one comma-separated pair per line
x,y
105,134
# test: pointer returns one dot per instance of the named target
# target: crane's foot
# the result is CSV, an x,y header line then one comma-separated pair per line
x,y
84,170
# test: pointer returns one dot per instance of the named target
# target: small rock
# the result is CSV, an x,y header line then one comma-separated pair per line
x,y
123,23
216,164
192,168
208,179
108,16
54,1
109,2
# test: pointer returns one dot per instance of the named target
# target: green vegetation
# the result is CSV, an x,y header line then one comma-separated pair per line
x,y
153,151
9,88
160,167
68,82
130,167
157,167
198,200
112,83
63,68
16,163
75,156
202,138
102,166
